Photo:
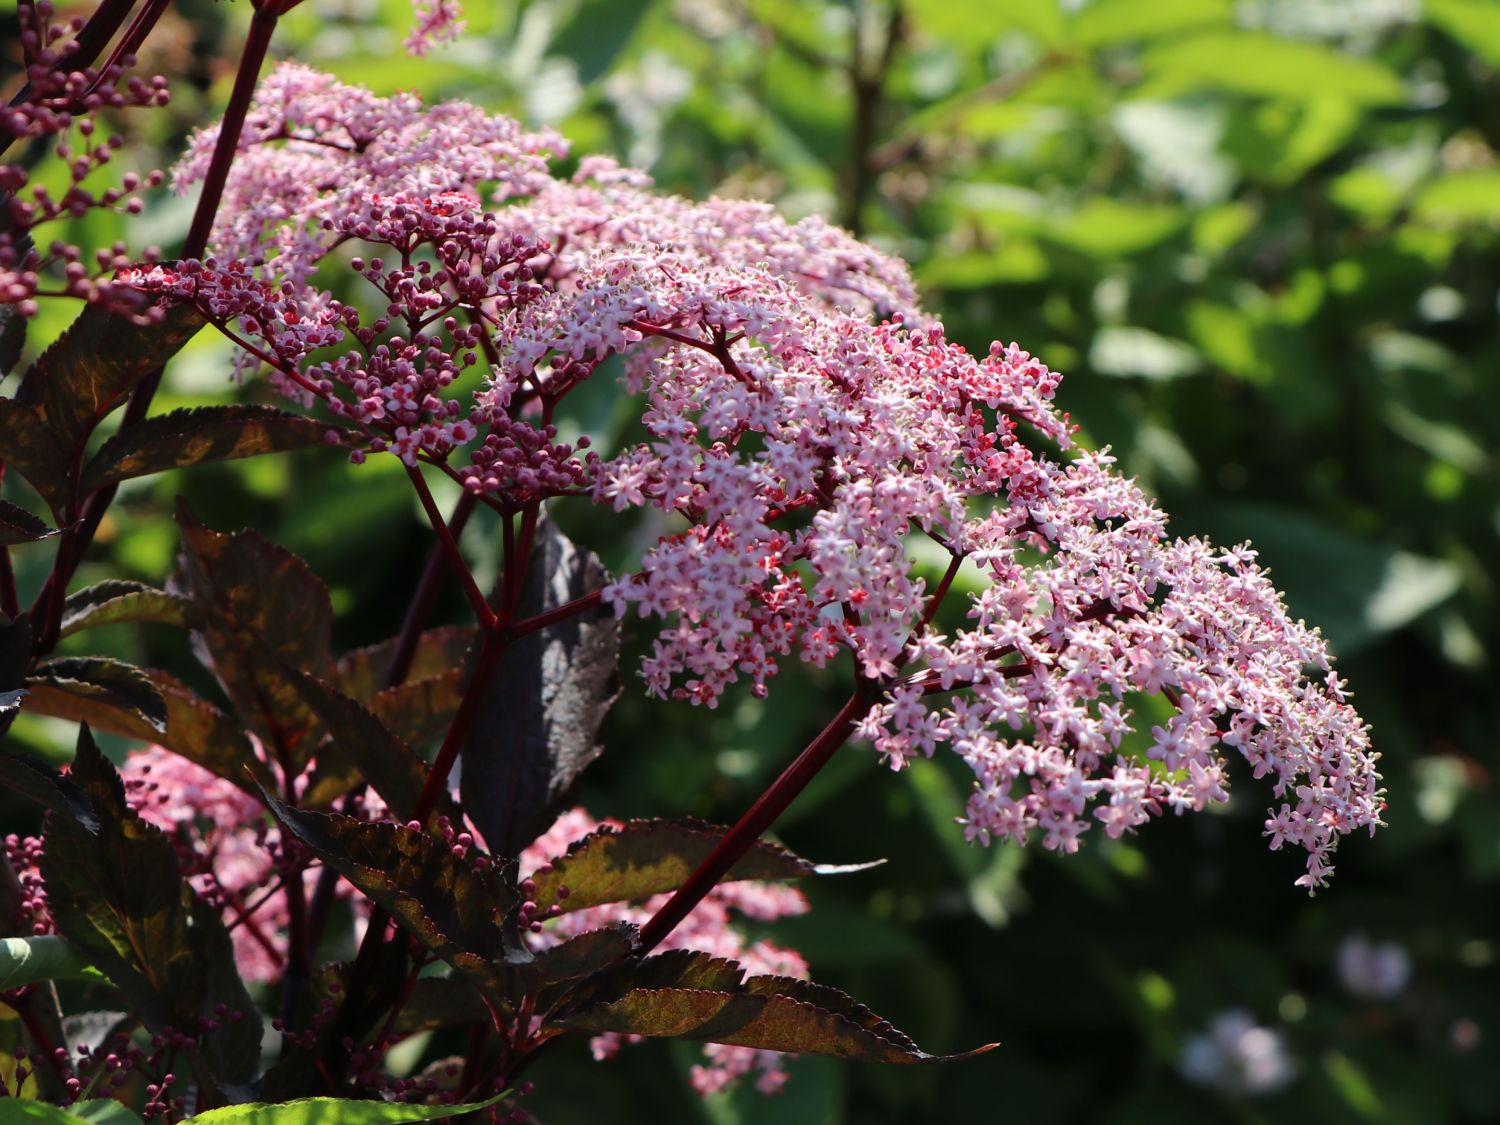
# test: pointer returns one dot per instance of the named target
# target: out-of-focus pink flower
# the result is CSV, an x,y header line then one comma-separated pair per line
x,y
226,847
438,22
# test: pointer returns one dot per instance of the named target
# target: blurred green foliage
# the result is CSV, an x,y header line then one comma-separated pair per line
x,y
1262,240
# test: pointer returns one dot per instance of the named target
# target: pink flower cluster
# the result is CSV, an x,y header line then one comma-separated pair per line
x,y
803,420
61,97
709,929
225,845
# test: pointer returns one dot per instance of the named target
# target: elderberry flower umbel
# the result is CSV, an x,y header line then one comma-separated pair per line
x,y
803,421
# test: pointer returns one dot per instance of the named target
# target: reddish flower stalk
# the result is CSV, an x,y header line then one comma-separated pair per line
x,y
46,611
759,817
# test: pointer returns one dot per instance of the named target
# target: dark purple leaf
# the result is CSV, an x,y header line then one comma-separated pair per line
x,y
261,609
80,688
463,915
116,892
204,433
767,1013
28,446
17,525
359,747
439,652
118,600
649,857
94,365
538,727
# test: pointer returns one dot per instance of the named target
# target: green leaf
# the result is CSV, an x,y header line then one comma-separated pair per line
x,y
26,961
262,610
1460,198
598,32
1106,22
1259,65
1015,260
104,1111
463,915
1474,23
1107,228
17,525
77,688
649,857
362,671
532,738
119,600
1125,352
770,1013
205,433
337,1111
100,1111
1354,589
95,364
116,893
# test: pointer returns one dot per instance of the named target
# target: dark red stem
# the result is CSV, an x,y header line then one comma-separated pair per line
x,y
262,24
47,610
450,546
759,817
495,644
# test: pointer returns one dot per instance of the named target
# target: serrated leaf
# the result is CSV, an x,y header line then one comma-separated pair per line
x,y
420,711
533,737
675,969
362,671
436,1002
17,525
648,857
196,729
94,365
28,446
15,662
115,892
585,953
337,1111
80,687
261,609
461,914
26,961
47,787
761,1016
119,600
204,433
361,748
